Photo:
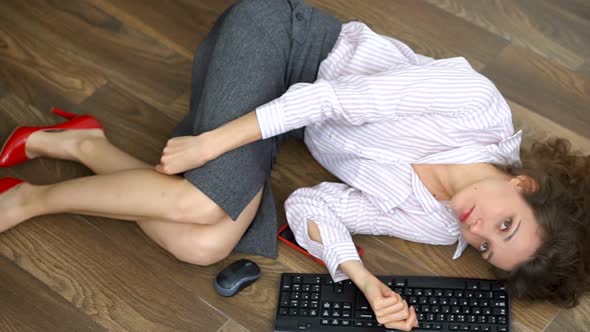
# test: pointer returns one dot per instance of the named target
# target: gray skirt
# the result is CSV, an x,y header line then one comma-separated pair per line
x,y
254,52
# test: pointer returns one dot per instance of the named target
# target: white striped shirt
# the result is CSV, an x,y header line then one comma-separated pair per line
x,y
375,109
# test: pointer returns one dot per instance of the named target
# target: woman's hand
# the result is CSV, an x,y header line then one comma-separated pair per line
x,y
186,152
390,309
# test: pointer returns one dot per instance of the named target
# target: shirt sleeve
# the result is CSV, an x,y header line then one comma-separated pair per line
x,y
334,207
448,88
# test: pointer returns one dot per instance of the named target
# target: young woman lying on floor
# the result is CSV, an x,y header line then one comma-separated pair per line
x,y
425,149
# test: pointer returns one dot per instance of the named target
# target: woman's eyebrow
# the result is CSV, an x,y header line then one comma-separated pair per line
x,y
509,237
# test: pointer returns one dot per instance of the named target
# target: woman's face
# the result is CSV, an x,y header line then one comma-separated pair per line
x,y
496,220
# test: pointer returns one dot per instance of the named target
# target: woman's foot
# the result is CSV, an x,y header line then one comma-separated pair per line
x,y
13,204
60,144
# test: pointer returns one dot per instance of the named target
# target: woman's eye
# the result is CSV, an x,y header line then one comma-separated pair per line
x,y
483,247
506,224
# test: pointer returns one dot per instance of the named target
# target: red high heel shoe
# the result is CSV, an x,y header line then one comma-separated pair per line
x,y
8,183
13,152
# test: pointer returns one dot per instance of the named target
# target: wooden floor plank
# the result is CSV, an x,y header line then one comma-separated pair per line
x,y
232,326
537,25
542,86
182,29
98,277
136,62
536,127
3,91
576,319
419,24
580,8
38,72
29,305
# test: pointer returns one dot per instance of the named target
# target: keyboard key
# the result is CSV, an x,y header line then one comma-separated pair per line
x,y
283,311
364,315
499,311
312,280
473,285
499,295
498,303
345,322
325,322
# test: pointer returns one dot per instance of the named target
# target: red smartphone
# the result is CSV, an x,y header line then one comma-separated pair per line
x,y
286,235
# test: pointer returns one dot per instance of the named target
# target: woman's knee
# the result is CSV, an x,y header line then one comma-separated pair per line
x,y
200,248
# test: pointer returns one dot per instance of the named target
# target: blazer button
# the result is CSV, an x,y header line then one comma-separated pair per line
x,y
299,16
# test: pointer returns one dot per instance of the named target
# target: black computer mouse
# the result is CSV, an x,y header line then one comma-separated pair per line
x,y
236,277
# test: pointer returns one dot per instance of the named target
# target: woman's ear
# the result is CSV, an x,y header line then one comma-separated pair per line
x,y
525,184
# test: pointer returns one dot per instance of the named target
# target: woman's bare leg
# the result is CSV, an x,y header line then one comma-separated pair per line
x,y
194,243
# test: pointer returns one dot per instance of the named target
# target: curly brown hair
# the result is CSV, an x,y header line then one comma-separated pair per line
x,y
558,271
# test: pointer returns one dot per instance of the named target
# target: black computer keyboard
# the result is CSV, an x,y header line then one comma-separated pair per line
x,y
313,302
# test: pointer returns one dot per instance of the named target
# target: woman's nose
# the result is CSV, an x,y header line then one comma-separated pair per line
x,y
476,227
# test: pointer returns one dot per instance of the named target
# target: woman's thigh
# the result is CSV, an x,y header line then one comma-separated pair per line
x,y
208,244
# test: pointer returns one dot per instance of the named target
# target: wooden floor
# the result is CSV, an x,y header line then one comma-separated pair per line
x,y
128,63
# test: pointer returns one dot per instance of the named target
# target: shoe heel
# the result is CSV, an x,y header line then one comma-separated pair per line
x,y
63,113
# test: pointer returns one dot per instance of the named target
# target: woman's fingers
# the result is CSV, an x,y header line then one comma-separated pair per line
x,y
393,309
405,325
385,302
399,312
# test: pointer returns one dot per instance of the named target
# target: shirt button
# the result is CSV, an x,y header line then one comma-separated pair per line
x,y
299,16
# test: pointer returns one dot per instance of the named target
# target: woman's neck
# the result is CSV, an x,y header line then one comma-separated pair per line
x,y
457,177
445,180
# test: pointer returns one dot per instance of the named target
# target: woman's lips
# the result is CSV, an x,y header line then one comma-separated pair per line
x,y
466,214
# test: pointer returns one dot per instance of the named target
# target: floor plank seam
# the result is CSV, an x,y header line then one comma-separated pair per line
x,y
216,309
404,255
224,324
552,319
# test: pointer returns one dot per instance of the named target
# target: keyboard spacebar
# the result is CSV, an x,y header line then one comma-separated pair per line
x,y
434,283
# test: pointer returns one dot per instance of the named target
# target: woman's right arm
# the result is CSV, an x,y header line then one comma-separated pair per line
x,y
321,219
